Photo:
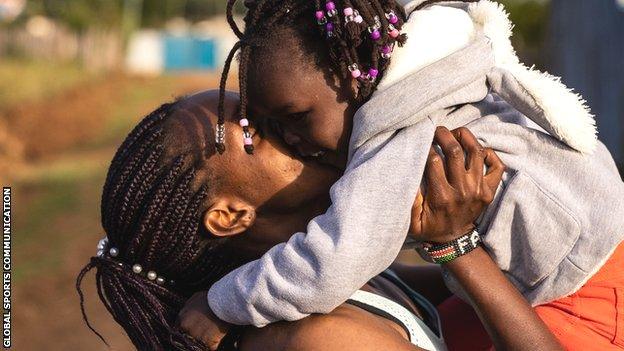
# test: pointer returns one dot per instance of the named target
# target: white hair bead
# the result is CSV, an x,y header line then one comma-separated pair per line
x,y
151,275
114,252
160,281
100,253
137,268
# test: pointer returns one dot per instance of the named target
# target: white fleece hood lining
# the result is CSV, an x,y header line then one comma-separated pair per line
x,y
439,30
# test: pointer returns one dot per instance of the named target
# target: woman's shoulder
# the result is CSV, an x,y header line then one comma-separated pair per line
x,y
346,328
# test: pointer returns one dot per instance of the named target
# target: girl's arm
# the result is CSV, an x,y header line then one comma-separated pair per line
x,y
508,318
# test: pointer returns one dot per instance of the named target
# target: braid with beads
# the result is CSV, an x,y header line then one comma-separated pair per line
x,y
359,36
151,213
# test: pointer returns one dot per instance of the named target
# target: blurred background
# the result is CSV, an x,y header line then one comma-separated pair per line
x,y
76,75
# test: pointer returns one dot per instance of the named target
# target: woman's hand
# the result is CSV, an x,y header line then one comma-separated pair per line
x,y
197,320
456,191
455,194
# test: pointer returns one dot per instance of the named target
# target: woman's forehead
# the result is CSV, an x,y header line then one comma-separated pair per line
x,y
192,124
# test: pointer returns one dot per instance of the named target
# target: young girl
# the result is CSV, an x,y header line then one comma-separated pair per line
x,y
311,65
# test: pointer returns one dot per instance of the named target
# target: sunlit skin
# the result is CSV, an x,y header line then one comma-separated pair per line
x,y
314,107
268,195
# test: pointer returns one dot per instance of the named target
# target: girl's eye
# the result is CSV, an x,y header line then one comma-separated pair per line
x,y
275,127
299,116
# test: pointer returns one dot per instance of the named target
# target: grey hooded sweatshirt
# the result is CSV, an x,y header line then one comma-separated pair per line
x,y
555,221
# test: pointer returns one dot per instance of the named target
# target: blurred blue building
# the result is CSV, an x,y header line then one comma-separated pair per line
x,y
180,47
587,46
189,53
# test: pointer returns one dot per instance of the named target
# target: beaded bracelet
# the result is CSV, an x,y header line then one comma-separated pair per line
x,y
447,252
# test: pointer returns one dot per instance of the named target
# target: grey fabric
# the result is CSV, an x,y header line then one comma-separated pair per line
x,y
357,238
558,219
561,213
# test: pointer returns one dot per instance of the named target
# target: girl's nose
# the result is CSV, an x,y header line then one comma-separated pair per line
x,y
291,138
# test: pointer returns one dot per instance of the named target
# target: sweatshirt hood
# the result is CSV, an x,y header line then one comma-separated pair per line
x,y
457,53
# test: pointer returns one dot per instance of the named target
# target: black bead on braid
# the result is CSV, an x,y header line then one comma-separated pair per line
x,y
151,212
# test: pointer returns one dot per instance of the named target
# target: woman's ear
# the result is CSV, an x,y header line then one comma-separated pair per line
x,y
229,217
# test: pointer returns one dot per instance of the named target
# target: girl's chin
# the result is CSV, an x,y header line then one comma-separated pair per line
x,y
331,159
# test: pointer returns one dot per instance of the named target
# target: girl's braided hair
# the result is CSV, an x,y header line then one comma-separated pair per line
x,y
344,28
349,43
151,208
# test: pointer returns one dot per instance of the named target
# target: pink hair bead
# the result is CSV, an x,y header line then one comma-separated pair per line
x,y
248,141
330,6
348,11
375,35
373,73
394,33
356,74
244,122
320,15
386,51
358,19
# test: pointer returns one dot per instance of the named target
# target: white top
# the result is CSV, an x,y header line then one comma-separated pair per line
x,y
419,333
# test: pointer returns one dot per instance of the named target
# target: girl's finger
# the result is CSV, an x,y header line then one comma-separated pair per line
x,y
454,153
475,154
496,168
435,176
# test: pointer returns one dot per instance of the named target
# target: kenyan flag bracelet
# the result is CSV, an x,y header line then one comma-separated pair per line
x,y
447,252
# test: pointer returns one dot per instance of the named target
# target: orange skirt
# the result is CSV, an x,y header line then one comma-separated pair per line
x,y
590,319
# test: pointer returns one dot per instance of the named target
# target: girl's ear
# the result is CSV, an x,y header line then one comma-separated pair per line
x,y
229,217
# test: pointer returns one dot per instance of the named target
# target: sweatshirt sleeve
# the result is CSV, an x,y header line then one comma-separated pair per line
x,y
357,238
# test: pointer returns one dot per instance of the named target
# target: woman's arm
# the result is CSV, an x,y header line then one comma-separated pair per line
x,y
509,319
452,186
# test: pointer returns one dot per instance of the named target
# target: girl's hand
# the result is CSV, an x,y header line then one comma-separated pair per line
x,y
197,320
456,191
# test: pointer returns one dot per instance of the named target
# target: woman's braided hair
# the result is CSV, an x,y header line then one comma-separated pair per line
x,y
151,210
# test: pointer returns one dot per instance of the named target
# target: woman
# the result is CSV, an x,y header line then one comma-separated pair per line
x,y
178,218
341,86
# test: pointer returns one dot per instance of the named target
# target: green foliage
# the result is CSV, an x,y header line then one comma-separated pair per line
x,y
531,18
157,12
79,14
